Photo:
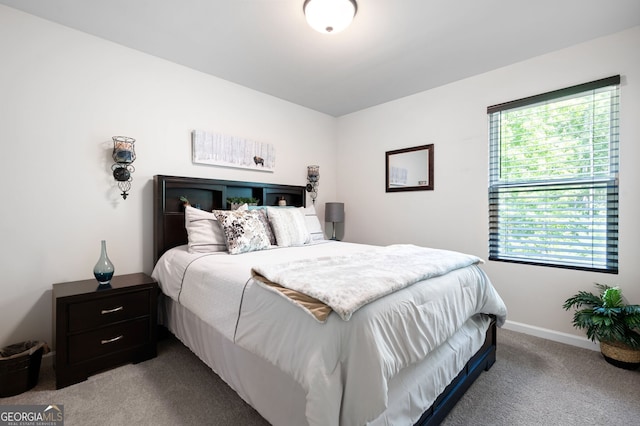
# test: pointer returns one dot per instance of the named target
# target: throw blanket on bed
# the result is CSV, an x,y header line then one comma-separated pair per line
x,y
346,283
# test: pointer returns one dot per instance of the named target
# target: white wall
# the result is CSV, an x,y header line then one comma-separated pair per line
x,y
454,215
63,94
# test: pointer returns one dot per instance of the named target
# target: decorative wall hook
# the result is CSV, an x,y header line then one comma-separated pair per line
x,y
124,154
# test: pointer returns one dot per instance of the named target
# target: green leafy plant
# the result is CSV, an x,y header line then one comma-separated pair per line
x,y
242,200
605,316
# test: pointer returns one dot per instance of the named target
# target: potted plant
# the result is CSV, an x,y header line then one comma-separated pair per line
x,y
235,202
608,319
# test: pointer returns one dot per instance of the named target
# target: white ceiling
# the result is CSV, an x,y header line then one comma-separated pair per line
x,y
393,48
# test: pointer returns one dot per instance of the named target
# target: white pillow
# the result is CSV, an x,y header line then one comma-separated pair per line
x,y
313,223
203,231
289,226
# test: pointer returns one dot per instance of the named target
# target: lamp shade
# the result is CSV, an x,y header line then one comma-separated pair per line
x,y
329,16
334,212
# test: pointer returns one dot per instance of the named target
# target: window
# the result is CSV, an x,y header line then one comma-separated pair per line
x,y
553,178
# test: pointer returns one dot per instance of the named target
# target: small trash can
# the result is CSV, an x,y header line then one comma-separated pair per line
x,y
20,366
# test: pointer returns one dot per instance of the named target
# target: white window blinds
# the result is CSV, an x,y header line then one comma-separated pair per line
x,y
553,184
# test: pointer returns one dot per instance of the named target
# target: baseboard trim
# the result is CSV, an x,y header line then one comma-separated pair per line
x,y
556,336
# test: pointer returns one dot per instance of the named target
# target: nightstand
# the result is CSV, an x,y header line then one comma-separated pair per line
x,y
97,329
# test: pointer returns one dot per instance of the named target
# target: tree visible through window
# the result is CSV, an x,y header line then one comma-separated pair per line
x,y
553,184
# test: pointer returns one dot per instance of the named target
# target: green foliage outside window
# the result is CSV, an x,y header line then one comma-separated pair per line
x,y
553,181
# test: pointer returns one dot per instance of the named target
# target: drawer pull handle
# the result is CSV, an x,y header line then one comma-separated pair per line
x,y
115,339
110,311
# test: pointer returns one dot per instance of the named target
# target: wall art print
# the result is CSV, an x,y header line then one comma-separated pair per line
x,y
217,149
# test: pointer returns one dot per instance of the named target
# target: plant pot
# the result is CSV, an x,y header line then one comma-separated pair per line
x,y
620,355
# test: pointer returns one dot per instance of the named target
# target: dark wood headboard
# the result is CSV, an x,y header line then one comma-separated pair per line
x,y
207,194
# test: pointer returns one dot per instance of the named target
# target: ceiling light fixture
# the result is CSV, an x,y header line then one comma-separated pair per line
x,y
329,16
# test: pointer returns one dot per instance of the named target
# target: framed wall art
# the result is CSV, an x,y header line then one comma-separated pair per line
x,y
218,149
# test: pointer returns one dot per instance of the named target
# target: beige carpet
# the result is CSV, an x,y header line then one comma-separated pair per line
x,y
540,382
534,382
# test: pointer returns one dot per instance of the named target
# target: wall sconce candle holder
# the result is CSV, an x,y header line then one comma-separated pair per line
x,y
124,154
313,179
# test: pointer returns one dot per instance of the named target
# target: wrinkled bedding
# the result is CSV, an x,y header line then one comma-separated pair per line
x,y
337,281
343,366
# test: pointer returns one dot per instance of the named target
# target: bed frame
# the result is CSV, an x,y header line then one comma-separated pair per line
x,y
206,194
209,194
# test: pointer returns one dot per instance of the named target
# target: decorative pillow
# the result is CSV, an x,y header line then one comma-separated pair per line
x,y
262,216
311,220
203,231
289,226
243,230
313,223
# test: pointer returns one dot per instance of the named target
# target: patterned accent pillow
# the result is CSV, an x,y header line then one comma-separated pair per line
x,y
203,231
243,230
289,226
262,216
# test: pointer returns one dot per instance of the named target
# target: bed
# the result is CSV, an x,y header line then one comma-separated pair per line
x,y
297,362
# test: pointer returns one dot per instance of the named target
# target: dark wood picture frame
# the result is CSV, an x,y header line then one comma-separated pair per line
x,y
407,169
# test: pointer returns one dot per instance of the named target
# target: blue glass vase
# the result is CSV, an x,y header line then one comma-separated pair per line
x,y
103,271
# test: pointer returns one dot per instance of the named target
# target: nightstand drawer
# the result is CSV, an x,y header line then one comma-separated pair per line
x,y
107,310
107,340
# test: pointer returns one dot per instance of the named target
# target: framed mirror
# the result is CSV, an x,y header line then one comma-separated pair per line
x,y
409,169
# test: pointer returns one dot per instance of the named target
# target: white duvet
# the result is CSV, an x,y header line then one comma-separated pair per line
x,y
343,366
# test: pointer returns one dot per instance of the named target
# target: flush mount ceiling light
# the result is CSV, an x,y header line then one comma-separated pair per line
x,y
329,16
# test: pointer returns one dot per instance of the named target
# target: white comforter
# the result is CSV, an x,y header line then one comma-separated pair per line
x,y
344,366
